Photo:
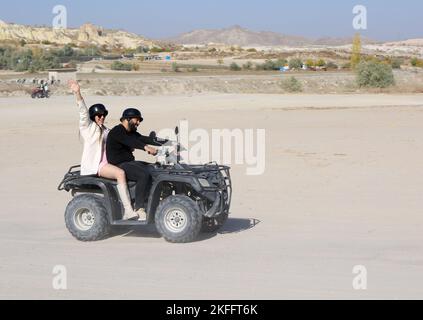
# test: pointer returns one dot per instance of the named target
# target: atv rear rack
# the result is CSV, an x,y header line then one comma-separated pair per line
x,y
72,174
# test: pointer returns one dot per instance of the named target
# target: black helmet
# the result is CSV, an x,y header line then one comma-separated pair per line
x,y
131,113
96,110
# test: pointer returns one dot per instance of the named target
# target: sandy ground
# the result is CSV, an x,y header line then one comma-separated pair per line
x,y
408,81
342,188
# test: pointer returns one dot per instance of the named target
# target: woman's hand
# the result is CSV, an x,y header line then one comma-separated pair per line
x,y
76,89
74,86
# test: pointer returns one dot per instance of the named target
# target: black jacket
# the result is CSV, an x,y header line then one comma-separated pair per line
x,y
121,144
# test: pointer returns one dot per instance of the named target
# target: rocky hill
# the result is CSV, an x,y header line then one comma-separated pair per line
x,y
87,34
239,36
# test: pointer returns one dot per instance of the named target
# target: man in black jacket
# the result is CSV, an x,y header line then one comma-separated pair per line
x,y
121,142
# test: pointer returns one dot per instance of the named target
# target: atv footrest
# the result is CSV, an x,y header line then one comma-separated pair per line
x,y
129,223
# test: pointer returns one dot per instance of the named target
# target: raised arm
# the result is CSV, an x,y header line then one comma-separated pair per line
x,y
84,118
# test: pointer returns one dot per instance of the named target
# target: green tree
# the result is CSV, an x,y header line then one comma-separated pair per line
x,y
67,51
356,51
295,63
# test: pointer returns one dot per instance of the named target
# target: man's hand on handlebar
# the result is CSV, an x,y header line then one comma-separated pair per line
x,y
151,150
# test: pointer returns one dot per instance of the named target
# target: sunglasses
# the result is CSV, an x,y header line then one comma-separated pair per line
x,y
101,115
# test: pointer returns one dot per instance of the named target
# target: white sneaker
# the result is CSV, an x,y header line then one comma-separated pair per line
x,y
141,214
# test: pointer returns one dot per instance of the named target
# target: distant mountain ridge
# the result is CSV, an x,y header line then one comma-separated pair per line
x,y
89,34
237,35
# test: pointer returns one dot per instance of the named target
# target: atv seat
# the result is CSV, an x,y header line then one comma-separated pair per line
x,y
114,182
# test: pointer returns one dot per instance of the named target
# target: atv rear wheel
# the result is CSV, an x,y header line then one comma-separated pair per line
x,y
178,219
86,218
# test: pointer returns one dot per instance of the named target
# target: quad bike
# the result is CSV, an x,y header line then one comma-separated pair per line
x,y
183,199
40,93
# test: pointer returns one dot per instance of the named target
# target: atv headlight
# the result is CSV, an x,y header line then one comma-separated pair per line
x,y
204,182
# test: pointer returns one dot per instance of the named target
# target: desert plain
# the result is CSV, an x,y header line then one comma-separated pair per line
x,y
341,188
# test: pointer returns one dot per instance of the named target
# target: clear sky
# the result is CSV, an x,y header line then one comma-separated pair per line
x,y
387,19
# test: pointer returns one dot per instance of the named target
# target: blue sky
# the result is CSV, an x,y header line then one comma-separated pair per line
x,y
387,19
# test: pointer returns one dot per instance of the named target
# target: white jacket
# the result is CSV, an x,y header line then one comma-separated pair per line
x,y
93,141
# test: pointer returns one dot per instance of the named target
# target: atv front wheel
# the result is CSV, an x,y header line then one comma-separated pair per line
x,y
178,219
86,218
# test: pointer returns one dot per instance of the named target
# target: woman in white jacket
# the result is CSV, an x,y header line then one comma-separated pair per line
x,y
94,159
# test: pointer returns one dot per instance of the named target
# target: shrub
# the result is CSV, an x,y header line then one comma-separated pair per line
x,y
91,51
310,63
175,67
295,63
117,65
375,75
23,60
252,50
157,50
320,63
331,65
396,63
292,85
67,51
271,65
235,67
415,62
248,66
346,65
142,49
280,63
